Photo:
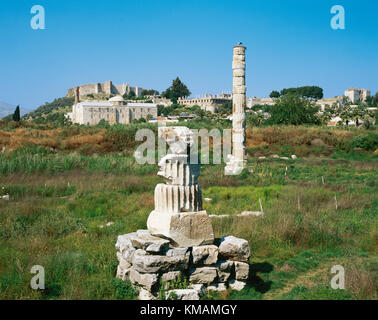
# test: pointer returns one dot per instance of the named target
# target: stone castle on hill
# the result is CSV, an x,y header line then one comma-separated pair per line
x,y
107,87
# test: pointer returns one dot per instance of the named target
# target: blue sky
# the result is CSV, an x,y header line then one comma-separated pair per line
x,y
150,42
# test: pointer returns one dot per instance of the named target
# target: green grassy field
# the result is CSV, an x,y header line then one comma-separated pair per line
x,y
60,202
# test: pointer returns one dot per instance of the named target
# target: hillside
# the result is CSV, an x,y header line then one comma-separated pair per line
x,y
51,111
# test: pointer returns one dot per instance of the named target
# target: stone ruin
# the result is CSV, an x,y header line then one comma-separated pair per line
x,y
179,245
237,160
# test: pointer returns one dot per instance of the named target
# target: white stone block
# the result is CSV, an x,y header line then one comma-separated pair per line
x,y
219,287
206,255
171,276
204,275
149,263
237,285
185,229
200,288
146,295
239,57
241,270
238,81
240,89
238,65
145,280
182,294
239,50
239,73
236,249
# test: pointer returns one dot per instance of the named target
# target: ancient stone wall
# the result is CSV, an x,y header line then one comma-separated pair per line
x,y
107,87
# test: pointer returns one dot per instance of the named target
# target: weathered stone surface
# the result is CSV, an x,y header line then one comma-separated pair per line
x,y
206,255
123,263
185,229
182,294
146,295
238,64
177,252
128,253
123,242
171,276
239,73
157,247
122,273
171,199
237,285
144,240
205,275
236,249
224,270
148,263
241,270
238,81
217,287
200,288
147,280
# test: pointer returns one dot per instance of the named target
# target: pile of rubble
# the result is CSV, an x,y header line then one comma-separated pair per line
x,y
152,264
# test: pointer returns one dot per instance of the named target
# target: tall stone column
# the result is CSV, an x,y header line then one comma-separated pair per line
x,y
237,161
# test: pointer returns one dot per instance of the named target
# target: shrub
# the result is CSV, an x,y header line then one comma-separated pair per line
x,y
291,109
367,141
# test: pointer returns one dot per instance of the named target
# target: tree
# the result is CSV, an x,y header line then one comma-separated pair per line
x,y
16,114
359,113
346,113
329,112
177,90
292,109
274,94
255,119
225,108
308,92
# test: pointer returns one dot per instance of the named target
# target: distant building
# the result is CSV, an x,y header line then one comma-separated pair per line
x,y
356,95
323,103
259,101
107,87
114,111
157,99
207,102
163,120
